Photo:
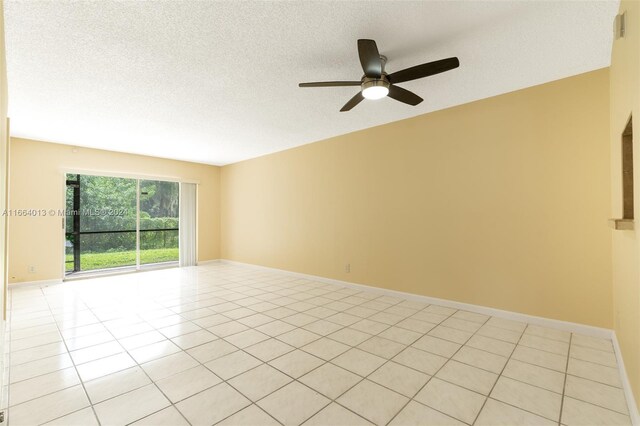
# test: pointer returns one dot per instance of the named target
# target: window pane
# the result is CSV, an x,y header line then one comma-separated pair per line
x,y
107,204
159,209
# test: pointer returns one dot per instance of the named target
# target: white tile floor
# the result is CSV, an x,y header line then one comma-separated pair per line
x,y
231,345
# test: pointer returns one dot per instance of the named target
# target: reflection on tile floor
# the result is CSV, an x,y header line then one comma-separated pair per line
x,y
231,345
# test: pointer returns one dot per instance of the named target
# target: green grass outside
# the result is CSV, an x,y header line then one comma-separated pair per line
x,y
90,261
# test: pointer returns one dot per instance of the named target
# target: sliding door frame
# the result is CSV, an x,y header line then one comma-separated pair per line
x,y
138,225
124,175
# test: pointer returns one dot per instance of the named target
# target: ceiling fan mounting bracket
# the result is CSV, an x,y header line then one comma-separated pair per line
x,y
383,62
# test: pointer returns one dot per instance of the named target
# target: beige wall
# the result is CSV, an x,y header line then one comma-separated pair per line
x,y
502,202
37,182
624,101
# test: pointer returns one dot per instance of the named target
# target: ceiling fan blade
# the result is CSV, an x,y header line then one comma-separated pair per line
x,y
370,58
352,102
330,84
424,70
403,95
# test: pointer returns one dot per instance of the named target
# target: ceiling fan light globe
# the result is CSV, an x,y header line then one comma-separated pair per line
x,y
375,92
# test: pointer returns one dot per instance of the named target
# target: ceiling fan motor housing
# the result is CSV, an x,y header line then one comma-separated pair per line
x,y
368,82
374,87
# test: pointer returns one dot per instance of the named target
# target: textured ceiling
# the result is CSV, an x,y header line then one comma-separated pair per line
x,y
216,82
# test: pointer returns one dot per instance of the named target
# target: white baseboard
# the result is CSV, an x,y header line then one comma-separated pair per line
x,y
34,283
206,262
515,316
626,385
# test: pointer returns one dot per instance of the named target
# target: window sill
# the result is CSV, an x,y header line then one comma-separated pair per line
x,y
621,224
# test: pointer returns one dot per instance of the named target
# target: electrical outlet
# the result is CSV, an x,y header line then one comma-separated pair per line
x,y
32,269
347,268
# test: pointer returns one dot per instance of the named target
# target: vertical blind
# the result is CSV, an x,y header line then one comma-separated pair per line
x,y
188,192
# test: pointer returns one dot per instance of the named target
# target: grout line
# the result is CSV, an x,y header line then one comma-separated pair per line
x,y
137,365
182,350
432,376
232,287
231,320
564,385
344,327
142,320
267,362
500,375
76,370
80,378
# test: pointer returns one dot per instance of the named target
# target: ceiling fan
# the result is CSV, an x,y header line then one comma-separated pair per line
x,y
376,83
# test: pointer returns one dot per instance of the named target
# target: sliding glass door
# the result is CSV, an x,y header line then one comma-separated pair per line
x,y
114,222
